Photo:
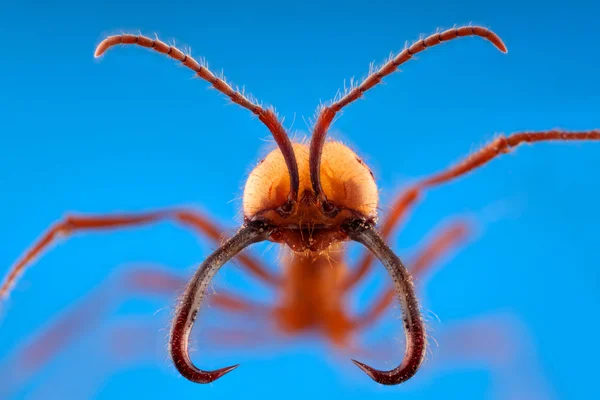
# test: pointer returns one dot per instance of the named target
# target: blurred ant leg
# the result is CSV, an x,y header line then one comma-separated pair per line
x,y
446,240
479,339
123,339
400,209
148,281
499,343
234,303
501,145
74,224
116,347
127,344
239,338
450,238
18,368
33,354
89,311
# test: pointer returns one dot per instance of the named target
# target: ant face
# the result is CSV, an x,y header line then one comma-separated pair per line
x,y
312,223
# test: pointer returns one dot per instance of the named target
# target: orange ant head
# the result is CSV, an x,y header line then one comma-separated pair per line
x,y
311,223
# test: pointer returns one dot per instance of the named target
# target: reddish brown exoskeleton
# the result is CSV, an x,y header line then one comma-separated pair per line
x,y
311,199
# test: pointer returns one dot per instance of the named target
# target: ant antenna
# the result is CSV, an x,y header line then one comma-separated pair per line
x,y
328,112
267,116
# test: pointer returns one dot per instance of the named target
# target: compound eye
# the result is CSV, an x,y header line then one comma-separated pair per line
x,y
286,209
329,209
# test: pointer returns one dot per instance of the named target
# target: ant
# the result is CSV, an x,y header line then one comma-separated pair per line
x,y
311,198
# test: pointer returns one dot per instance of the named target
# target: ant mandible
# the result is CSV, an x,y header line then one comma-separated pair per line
x,y
311,198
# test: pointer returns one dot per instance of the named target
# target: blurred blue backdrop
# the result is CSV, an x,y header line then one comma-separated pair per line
x,y
133,132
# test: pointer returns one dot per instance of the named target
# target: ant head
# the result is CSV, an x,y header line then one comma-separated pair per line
x,y
312,221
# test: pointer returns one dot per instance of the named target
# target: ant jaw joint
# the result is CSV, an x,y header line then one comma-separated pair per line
x,y
260,225
357,225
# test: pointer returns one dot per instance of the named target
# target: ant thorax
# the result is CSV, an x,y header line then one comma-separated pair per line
x,y
314,222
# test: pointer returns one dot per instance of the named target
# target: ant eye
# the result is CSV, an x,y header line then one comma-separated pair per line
x,y
329,208
286,209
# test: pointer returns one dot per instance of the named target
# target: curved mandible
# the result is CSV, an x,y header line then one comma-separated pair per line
x,y
414,329
191,300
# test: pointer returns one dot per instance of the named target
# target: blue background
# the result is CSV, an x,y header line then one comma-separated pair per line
x,y
133,132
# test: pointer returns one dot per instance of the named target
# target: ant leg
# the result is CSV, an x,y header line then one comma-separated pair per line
x,y
400,208
125,344
31,356
499,343
501,145
233,303
148,281
239,338
20,366
113,351
123,338
89,312
443,242
74,224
